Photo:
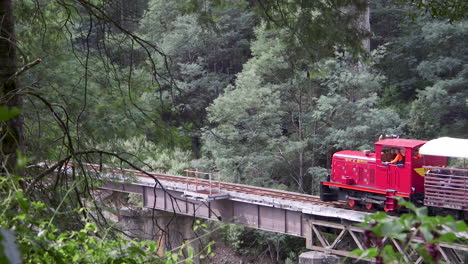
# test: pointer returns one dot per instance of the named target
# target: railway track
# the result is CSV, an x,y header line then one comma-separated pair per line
x,y
305,198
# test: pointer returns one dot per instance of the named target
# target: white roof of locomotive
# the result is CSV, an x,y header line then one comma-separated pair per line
x,y
446,147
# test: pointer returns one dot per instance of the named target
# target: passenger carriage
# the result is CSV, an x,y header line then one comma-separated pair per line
x,y
447,187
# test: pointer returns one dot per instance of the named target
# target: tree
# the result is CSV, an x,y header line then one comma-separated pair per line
x,y
204,58
72,37
148,155
248,122
445,74
313,28
424,69
453,10
303,110
11,130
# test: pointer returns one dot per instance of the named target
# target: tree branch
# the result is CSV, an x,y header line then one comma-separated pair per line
x,y
23,70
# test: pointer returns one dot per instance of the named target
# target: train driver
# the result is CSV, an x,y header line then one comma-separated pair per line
x,y
416,154
387,155
399,158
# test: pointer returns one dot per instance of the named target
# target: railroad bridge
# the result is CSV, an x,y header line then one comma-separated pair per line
x,y
198,195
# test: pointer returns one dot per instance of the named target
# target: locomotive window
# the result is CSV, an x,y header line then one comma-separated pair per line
x,y
416,154
388,154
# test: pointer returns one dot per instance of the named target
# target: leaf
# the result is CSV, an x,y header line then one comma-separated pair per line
x,y
379,216
369,253
21,200
175,257
21,217
447,237
7,114
190,251
390,228
408,221
406,204
421,211
426,233
389,254
356,252
152,246
462,227
136,250
21,160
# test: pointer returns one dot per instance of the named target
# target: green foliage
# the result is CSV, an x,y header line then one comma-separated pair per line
x,y
149,156
415,230
267,100
249,118
441,106
94,94
252,242
312,29
40,241
232,235
204,58
453,10
8,113
350,106
285,115
425,72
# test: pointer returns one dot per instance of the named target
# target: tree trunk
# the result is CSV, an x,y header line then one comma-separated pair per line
x,y
11,132
364,25
362,20
301,152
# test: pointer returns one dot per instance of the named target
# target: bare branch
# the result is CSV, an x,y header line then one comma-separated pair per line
x,y
23,70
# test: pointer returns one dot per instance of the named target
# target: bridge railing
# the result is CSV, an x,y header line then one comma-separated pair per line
x,y
193,178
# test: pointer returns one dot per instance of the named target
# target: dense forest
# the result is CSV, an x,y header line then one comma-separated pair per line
x,y
262,91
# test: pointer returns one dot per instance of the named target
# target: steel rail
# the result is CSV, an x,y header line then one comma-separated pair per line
x,y
222,185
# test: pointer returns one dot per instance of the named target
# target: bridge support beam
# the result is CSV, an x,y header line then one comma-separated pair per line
x,y
316,257
169,230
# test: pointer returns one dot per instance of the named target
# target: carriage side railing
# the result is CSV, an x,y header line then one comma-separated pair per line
x,y
446,187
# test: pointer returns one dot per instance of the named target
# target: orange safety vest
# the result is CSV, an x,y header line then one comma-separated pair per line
x,y
398,158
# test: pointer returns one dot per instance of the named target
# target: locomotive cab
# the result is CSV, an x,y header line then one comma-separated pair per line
x,y
401,176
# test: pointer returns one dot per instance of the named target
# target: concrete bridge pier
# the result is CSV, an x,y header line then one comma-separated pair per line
x,y
169,230
316,257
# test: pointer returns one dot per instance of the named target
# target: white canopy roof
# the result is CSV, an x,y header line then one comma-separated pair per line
x,y
447,147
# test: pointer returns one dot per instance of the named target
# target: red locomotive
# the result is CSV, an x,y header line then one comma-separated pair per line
x,y
396,168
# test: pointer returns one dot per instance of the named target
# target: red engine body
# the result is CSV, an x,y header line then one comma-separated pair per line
x,y
366,177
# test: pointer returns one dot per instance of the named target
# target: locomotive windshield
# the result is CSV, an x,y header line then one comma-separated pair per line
x,y
393,155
